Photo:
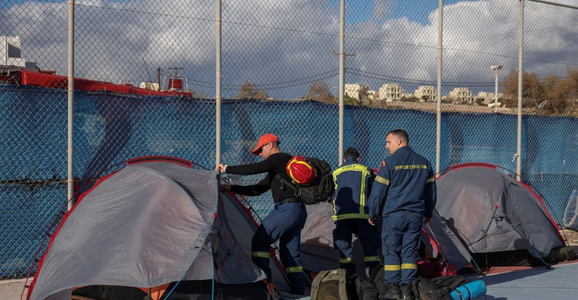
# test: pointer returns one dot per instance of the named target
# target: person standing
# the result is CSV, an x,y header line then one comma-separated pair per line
x,y
352,187
405,188
285,221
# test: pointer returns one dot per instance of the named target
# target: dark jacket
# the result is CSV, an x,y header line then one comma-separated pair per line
x,y
352,187
405,183
273,165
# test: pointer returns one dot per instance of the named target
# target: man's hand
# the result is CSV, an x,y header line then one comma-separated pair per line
x,y
225,187
370,222
426,220
221,168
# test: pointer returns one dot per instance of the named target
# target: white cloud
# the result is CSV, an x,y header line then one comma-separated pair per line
x,y
566,2
273,42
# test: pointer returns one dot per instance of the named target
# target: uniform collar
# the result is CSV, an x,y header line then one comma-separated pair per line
x,y
350,161
404,148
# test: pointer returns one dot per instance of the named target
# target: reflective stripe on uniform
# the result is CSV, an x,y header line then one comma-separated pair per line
x,y
347,260
410,167
261,254
409,266
335,181
382,180
293,270
364,175
392,267
430,180
371,258
352,167
362,192
350,216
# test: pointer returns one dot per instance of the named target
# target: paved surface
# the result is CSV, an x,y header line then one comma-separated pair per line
x,y
11,289
560,283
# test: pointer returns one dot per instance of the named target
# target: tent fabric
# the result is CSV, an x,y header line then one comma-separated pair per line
x,y
150,224
444,242
318,252
571,212
492,212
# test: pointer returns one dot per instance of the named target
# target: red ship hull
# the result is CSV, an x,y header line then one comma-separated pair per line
x,y
46,80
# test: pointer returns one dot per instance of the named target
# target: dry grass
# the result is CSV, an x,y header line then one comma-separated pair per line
x,y
461,108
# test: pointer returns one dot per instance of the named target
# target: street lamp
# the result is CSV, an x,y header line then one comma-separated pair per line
x,y
496,71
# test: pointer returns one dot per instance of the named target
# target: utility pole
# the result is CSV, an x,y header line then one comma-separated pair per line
x,y
496,73
342,55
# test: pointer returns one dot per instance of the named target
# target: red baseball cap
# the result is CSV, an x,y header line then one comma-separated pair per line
x,y
266,138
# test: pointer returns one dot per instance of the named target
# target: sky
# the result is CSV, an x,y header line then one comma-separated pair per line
x,y
285,45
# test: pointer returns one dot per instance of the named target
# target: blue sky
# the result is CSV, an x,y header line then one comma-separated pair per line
x,y
397,9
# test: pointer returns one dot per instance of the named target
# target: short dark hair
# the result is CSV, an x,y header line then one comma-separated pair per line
x,y
351,152
401,134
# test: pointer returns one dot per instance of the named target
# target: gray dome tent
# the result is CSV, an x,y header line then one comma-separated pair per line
x,y
495,216
150,224
318,252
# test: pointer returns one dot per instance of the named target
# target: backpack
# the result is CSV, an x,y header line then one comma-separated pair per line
x,y
332,285
426,289
319,190
366,289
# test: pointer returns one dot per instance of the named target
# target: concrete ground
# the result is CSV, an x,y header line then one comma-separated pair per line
x,y
11,289
558,282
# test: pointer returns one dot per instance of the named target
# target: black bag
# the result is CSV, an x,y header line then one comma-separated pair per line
x,y
451,282
319,190
426,289
366,289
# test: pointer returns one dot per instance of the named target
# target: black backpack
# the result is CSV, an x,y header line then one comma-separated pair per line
x,y
319,190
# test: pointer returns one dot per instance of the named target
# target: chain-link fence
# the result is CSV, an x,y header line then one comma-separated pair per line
x,y
277,56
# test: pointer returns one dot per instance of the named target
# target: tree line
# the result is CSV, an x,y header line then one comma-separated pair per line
x,y
560,93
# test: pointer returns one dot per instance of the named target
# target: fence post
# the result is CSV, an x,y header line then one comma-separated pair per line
x,y
218,85
439,102
520,77
341,76
70,181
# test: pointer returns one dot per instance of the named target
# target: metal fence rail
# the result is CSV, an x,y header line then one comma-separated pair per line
x,y
276,56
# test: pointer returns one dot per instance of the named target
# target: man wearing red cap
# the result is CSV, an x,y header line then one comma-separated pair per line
x,y
285,221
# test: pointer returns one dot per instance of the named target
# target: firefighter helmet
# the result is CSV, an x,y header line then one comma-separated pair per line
x,y
300,170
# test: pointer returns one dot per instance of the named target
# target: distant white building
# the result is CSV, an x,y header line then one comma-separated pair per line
x,y
461,94
391,91
10,54
356,90
428,92
372,95
489,98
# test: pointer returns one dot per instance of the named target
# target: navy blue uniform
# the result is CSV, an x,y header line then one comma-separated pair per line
x,y
284,223
407,186
352,187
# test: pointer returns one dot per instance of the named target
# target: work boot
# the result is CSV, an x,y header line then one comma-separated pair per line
x,y
390,292
407,292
